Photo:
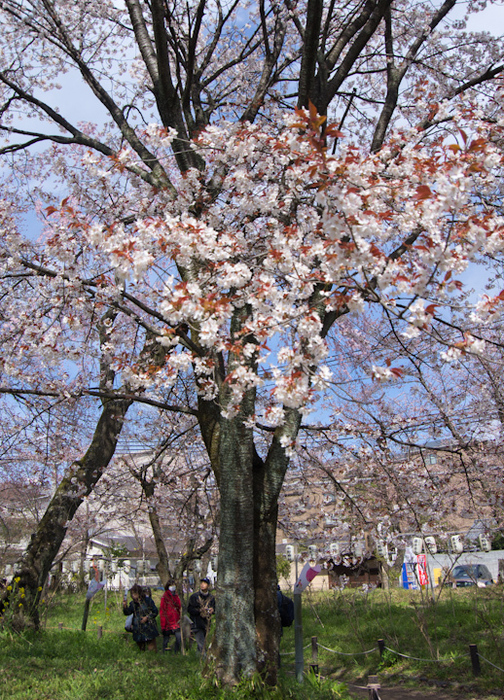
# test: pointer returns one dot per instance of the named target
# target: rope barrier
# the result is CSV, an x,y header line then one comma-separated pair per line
x,y
286,653
344,653
415,658
491,664
393,651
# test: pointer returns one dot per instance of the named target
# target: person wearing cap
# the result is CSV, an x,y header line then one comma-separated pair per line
x,y
201,607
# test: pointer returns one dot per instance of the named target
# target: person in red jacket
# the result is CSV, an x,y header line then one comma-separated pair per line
x,y
169,613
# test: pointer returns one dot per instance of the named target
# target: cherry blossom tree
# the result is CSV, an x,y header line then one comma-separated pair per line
x,y
222,235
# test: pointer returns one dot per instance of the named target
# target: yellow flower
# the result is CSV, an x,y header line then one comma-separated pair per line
x,y
39,588
9,588
20,605
23,595
21,589
17,579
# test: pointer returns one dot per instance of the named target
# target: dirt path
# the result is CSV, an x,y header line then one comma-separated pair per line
x,y
361,692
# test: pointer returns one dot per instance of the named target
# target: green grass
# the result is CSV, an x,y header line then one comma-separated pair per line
x,y
409,622
68,664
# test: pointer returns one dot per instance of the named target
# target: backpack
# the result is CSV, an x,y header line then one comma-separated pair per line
x,y
286,610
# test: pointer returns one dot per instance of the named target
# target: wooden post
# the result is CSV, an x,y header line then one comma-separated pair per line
x,y
381,646
473,650
314,655
86,613
373,688
100,631
60,625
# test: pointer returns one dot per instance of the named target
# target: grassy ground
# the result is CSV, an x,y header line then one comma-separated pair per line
x,y
63,663
68,664
437,634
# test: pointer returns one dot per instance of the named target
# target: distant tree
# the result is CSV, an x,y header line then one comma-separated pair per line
x,y
182,507
283,567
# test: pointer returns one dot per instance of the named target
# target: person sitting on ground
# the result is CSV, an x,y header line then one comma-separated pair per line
x,y
169,613
144,613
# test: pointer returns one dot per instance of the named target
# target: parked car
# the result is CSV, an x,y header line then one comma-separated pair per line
x,y
471,575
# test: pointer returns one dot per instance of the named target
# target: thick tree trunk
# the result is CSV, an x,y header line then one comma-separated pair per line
x,y
247,619
34,566
265,585
268,479
234,648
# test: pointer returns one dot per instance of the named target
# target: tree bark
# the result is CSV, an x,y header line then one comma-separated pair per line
x,y
268,479
234,651
310,51
163,565
148,489
265,586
